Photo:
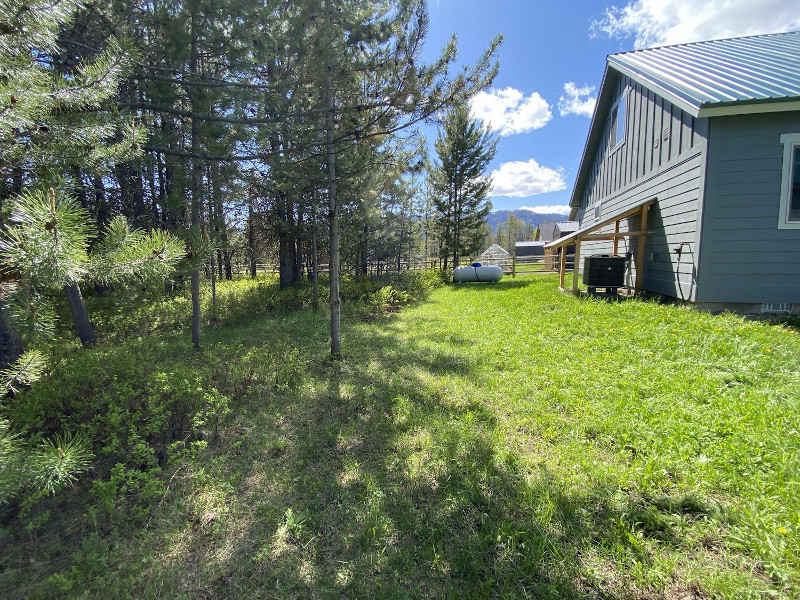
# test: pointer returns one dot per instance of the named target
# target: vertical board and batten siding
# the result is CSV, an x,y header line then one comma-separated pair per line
x,y
663,156
745,257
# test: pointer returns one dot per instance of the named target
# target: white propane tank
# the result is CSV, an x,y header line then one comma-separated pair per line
x,y
477,272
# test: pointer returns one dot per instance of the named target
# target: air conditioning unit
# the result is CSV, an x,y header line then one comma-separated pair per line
x,y
604,270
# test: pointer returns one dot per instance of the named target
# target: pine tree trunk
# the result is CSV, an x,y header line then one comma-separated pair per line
x,y
213,286
10,343
284,223
226,256
251,240
80,318
195,184
333,208
297,266
196,308
314,260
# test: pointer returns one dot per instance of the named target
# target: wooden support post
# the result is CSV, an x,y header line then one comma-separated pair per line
x,y
616,239
575,266
514,265
640,250
562,264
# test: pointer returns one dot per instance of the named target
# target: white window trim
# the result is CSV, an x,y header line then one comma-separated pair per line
x,y
623,96
598,208
790,141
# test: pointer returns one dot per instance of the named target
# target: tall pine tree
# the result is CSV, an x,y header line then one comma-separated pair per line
x,y
464,149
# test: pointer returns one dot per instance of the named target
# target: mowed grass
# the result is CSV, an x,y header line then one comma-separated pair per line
x,y
495,441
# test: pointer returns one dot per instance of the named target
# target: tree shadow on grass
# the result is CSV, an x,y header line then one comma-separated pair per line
x,y
367,481
385,487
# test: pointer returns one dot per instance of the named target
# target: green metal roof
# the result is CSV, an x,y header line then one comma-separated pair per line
x,y
719,73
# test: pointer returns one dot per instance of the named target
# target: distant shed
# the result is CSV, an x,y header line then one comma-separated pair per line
x,y
525,249
494,254
561,229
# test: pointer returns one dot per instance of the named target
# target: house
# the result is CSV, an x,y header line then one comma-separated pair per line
x,y
527,249
691,170
563,228
544,233
494,254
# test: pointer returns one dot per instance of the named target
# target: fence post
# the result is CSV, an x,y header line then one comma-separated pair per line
x,y
514,265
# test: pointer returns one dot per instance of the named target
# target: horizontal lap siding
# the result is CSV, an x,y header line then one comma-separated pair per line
x,y
663,157
745,257
671,220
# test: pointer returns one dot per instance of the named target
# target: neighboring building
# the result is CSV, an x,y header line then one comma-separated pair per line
x,y
544,233
701,142
561,229
526,249
494,254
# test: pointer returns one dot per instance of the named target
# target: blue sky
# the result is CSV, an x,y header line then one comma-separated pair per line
x,y
551,65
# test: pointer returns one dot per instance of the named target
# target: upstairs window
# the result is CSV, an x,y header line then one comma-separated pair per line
x,y
619,118
790,183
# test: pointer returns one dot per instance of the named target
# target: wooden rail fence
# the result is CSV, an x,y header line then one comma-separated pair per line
x,y
511,266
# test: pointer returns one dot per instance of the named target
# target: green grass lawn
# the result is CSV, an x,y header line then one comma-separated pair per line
x,y
494,441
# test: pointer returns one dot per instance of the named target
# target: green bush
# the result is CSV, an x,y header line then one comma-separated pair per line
x,y
139,311
143,404
392,290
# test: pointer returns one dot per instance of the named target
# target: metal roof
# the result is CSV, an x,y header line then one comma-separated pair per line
x,y
719,73
706,79
528,244
495,250
567,226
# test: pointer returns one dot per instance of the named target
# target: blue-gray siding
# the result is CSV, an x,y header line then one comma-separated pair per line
x,y
744,256
656,133
663,156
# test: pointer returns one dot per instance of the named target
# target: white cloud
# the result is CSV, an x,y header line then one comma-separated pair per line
x,y
520,179
659,22
508,111
548,209
574,103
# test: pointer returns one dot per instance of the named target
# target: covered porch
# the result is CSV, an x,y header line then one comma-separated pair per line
x,y
589,233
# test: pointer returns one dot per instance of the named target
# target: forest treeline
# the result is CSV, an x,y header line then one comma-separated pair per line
x,y
277,131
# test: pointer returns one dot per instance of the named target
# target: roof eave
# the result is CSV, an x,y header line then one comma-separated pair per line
x,y
752,107
693,108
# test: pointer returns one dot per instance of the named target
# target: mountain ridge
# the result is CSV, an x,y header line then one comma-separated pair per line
x,y
497,217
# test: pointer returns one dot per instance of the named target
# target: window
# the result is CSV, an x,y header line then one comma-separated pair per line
x,y
619,117
790,183
598,206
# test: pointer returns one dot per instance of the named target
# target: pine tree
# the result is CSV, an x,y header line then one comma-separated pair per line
x,y
46,250
52,119
464,149
374,85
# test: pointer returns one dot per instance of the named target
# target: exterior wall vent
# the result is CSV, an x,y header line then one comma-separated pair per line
x,y
776,307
